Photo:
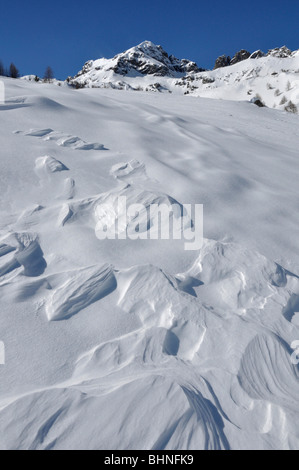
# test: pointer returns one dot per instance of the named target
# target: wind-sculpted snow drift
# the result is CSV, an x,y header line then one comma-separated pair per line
x,y
139,344
80,290
27,253
61,139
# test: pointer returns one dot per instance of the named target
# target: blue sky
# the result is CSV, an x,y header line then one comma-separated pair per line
x,y
64,35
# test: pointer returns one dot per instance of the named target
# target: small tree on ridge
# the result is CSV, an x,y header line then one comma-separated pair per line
x,y
13,71
48,77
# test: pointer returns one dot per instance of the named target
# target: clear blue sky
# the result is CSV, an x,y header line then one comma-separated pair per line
x,y
65,34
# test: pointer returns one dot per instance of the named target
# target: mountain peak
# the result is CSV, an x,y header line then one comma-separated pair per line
x,y
147,45
146,58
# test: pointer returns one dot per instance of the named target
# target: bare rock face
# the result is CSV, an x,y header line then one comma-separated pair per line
x,y
149,59
258,102
239,56
257,54
222,61
280,52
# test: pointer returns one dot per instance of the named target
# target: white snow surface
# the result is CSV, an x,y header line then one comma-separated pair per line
x,y
123,344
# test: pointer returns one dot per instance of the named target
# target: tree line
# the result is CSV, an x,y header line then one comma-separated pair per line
x,y
13,72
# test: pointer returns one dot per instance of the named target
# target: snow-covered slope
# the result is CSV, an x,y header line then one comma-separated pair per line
x,y
274,77
122,344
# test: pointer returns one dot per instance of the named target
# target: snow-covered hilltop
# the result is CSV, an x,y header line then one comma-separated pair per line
x,y
273,78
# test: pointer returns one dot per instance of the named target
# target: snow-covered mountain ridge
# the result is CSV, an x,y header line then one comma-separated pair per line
x,y
144,59
271,77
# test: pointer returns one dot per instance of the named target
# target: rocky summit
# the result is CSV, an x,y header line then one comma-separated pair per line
x,y
144,59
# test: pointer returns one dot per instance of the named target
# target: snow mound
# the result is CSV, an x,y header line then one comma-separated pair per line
x,y
82,288
61,139
28,254
65,214
49,164
69,188
129,171
275,379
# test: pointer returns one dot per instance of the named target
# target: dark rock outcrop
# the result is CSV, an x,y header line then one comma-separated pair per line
x,y
222,61
280,52
225,61
149,59
239,56
257,100
257,54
